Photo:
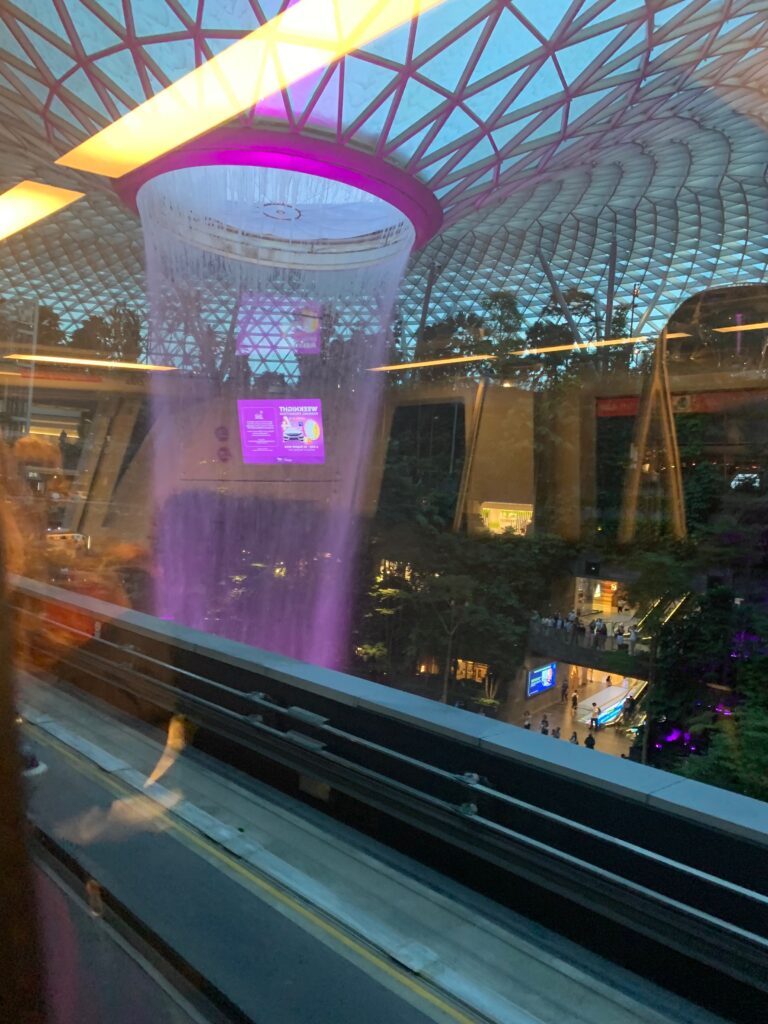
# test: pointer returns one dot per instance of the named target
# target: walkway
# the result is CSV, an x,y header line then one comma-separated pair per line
x,y
610,739
292,915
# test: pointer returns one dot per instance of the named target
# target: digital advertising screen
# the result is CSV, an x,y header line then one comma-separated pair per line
x,y
281,430
269,324
541,679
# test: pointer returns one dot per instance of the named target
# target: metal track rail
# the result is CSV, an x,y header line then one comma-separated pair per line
x,y
708,918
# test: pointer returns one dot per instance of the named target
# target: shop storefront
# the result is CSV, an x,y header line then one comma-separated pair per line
x,y
597,596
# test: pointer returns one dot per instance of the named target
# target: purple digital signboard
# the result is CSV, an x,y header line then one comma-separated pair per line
x,y
273,324
281,430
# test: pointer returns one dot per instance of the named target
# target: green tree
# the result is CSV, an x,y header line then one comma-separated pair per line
x,y
737,755
477,592
694,650
116,336
49,329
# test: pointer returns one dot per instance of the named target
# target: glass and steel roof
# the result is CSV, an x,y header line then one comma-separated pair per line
x,y
545,129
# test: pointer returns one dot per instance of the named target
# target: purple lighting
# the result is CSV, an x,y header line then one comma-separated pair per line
x,y
306,155
259,544
281,430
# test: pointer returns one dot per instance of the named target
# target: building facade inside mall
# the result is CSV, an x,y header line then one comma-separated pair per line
x,y
438,359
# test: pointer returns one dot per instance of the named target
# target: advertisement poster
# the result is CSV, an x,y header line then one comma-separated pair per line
x,y
541,679
281,430
269,324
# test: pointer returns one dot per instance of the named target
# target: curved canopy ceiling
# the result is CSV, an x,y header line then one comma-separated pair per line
x,y
546,128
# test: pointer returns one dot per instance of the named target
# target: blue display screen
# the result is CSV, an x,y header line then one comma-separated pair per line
x,y
541,679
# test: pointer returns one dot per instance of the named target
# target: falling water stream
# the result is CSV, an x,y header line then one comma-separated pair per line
x,y
271,293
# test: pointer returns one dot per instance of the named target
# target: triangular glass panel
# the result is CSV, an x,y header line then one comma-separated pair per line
x,y
80,85
446,68
45,13
501,136
431,29
175,56
114,8
63,111
233,13
363,82
409,146
93,33
153,19
575,58
416,101
38,89
509,41
459,123
578,105
119,66
545,83
57,62
485,102
326,109
392,46
546,17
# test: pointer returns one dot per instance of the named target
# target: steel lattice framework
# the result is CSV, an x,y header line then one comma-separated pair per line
x,y
547,129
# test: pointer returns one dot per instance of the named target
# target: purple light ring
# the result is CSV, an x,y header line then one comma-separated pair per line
x,y
306,154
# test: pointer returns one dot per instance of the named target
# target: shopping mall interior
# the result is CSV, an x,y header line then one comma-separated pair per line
x,y
383,396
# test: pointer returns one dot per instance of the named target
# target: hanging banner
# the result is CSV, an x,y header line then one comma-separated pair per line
x,y
701,402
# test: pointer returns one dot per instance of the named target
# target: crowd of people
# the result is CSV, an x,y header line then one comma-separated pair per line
x,y
598,634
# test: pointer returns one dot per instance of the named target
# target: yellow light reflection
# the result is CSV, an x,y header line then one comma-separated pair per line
x,y
576,346
430,362
28,202
740,327
102,364
174,745
305,38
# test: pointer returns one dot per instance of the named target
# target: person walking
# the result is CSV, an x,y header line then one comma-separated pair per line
x,y
556,733
608,681
564,692
544,725
574,701
602,635
594,715
589,741
632,640
527,720
574,738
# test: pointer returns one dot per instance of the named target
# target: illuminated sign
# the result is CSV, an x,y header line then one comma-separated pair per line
x,y
541,679
281,430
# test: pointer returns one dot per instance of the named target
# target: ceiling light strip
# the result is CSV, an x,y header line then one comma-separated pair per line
x,y
740,327
310,35
29,202
430,362
577,346
102,364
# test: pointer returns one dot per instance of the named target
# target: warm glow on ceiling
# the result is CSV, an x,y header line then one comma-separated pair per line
x,y
431,362
102,364
740,327
29,202
310,35
576,346
677,334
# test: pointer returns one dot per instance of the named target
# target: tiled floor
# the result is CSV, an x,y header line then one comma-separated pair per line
x,y
610,740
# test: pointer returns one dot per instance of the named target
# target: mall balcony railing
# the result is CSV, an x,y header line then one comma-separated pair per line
x,y
580,647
